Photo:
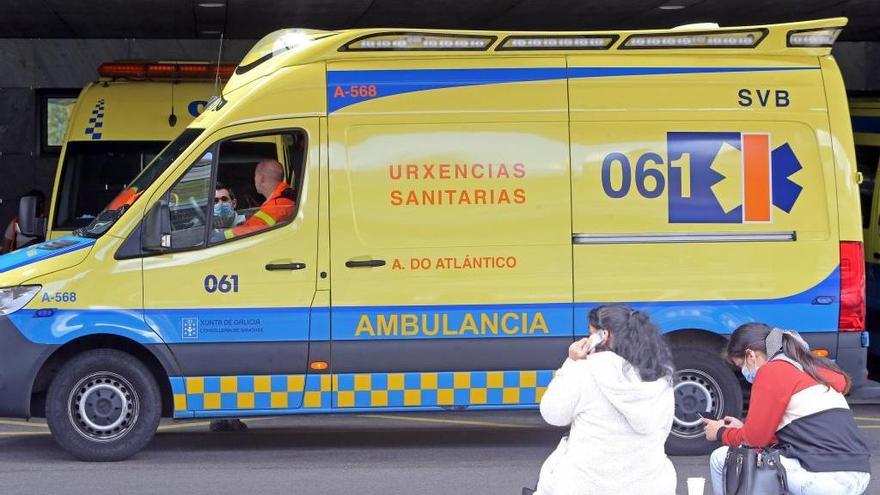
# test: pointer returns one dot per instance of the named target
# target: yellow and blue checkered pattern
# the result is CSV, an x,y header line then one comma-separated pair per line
x,y
359,390
96,121
217,393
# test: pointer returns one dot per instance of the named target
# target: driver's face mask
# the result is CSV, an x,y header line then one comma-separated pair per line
x,y
224,215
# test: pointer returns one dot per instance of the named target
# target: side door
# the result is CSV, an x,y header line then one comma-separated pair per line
x,y
450,233
235,309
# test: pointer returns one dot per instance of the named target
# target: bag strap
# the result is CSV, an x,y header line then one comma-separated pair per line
x,y
782,476
733,455
775,454
724,473
783,480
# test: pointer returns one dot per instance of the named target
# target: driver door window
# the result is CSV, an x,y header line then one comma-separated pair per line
x,y
240,187
256,188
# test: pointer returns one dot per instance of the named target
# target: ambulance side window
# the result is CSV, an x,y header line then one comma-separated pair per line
x,y
257,185
189,203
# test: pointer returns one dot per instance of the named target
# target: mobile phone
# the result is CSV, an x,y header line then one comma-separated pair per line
x,y
596,339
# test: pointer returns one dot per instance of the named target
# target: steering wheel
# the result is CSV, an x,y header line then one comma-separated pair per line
x,y
198,211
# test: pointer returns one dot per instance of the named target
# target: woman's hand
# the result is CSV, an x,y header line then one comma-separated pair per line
x,y
578,349
731,422
712,427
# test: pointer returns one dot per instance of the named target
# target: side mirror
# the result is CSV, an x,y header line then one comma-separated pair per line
x,y
29,223
156,230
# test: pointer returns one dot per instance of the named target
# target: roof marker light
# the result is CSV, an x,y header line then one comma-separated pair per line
x,y
710,39
560,42
165,70
419,41
161,70
814,38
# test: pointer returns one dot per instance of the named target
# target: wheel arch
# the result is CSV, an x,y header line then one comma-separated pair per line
x,y
699,338
157,358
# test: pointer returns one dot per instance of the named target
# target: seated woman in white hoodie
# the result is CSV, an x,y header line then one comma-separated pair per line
x,y
618,400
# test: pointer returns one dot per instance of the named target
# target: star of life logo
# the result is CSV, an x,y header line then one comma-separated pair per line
x,y
734,177
190,328
710,177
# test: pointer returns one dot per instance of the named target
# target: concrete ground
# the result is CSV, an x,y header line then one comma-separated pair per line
x,y
464,453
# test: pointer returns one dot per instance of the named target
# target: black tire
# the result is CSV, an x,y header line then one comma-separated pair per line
x,y
120,399
703,384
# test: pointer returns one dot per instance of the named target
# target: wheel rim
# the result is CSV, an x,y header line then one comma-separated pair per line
x,y
103,406
695,392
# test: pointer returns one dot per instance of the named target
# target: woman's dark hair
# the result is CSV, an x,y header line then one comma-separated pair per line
x,y
753,336
636,339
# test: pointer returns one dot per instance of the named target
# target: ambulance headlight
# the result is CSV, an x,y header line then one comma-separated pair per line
x,y
14,298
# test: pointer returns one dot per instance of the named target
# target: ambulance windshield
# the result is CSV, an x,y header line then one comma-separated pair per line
x,y
95,172
129,195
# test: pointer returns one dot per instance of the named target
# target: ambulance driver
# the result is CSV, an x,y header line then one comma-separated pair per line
x,y
225,204
618,399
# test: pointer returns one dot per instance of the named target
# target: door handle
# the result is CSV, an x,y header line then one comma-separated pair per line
x,y
285,266
364,264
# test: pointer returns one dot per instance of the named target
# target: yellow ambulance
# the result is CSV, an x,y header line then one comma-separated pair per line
x,y
118,125
441,211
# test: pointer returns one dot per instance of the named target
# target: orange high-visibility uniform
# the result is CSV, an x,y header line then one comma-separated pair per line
x,y
279,207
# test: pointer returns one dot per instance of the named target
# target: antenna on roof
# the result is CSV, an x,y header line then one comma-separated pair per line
x,y
217,72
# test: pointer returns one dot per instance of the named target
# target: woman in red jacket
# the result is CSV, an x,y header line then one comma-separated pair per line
x,y
797,403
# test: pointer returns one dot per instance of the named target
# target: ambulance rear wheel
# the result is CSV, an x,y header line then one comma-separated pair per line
x,y
703,386
103,405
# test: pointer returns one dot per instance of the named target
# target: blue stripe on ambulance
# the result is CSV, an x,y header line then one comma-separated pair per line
x,y
43,251
207,325
393,82
814,310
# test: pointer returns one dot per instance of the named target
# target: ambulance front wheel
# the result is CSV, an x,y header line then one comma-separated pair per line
x,y
703,386
103,405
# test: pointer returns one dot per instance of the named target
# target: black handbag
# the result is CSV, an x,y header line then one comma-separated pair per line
x,y
750,471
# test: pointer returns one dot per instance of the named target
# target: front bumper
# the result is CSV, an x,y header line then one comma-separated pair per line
x,y
20,361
